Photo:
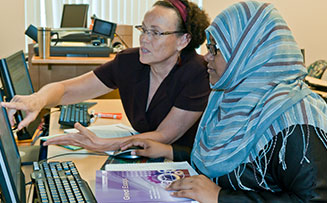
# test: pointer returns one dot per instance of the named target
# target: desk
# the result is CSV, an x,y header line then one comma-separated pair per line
x,y
86,165
53,69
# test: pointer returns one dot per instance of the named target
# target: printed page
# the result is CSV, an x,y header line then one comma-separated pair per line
x,y
104,131
108,131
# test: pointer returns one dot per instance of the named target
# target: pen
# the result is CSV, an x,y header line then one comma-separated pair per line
x,y
109,115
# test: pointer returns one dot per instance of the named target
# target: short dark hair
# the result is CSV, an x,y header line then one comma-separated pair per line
x,y
196,22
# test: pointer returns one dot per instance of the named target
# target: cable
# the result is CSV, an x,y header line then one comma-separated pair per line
x,y
29,190
75,153
57,40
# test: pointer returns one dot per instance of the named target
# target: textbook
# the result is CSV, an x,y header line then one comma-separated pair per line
x,y
137,186
140,182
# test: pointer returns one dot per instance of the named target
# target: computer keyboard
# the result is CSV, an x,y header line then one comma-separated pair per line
x,y
60,182
72,113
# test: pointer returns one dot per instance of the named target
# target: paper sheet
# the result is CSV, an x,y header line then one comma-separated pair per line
x,y
103,131
108,131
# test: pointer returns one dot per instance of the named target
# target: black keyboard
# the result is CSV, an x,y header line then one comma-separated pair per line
x,y
60,182
72,113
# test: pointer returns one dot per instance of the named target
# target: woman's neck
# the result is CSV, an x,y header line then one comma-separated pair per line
x,y
161,70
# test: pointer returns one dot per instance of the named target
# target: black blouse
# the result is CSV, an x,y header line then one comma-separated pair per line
x,y
298,183
185,87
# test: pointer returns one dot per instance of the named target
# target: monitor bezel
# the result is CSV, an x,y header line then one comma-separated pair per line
x,y
8,187
65,7
6,79
10,92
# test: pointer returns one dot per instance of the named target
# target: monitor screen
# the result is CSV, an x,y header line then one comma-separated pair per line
x,y
104,28
19,74
74,15
15,79
12,181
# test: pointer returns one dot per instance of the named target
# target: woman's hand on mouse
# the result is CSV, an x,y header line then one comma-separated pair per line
x,y
151,149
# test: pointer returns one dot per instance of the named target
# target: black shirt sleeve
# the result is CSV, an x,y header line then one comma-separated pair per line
x,y
299,182
195,79
302,181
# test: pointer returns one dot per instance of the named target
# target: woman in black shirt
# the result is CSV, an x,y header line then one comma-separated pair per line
x,y
162,83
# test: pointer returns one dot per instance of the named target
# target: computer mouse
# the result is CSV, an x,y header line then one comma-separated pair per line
x,y
96,42
126,154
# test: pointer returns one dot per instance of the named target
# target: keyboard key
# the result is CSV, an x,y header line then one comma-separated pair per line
x,y
72,113
61,182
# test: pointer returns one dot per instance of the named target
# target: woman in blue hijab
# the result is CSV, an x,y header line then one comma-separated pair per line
x,y
263,134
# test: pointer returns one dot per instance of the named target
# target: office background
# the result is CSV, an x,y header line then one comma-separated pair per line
x,y
307,20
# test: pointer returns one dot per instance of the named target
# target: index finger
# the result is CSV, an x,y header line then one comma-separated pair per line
x,y
63,139
13,105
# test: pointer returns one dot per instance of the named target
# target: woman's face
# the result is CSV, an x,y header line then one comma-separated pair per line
x,y
216,62
162,48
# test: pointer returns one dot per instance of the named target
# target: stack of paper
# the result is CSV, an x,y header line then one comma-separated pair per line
x,y
104,131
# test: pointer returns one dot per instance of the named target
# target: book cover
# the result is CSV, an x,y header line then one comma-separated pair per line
x,y
137,186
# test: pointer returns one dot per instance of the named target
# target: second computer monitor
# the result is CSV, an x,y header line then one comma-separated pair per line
x,y
104,28
12,181
16,79
74,15
15,76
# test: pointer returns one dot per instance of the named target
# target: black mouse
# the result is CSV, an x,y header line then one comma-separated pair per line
x,y
96,42
126,154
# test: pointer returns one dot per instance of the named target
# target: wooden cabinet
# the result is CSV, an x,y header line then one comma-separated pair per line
x,y
53,69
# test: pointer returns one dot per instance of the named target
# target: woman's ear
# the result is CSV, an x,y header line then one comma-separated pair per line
x,y
183,41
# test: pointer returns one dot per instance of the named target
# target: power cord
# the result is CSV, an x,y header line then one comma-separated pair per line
x,y
75,153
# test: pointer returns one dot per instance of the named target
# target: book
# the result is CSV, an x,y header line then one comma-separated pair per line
x,y
137,186
146,182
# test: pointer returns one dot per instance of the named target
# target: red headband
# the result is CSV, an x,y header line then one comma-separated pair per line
x,y
180,7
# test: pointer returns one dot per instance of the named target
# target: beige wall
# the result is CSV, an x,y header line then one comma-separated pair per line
x,y
307,20
12,37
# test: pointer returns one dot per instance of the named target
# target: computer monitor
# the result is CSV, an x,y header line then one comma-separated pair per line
x,y
16,79
12,179
104,28
74,15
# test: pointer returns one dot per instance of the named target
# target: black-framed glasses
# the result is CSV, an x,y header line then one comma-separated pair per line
x,y
155,33
212,49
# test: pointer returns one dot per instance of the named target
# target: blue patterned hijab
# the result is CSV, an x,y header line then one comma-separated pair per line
x,y
260,94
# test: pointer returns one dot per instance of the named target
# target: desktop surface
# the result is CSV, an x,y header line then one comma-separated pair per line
x,y
86,164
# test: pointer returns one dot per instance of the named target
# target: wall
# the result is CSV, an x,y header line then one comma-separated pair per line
x,y
306,19
12,36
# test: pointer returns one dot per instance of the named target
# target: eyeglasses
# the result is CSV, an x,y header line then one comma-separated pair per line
x,y
155,33
212,49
